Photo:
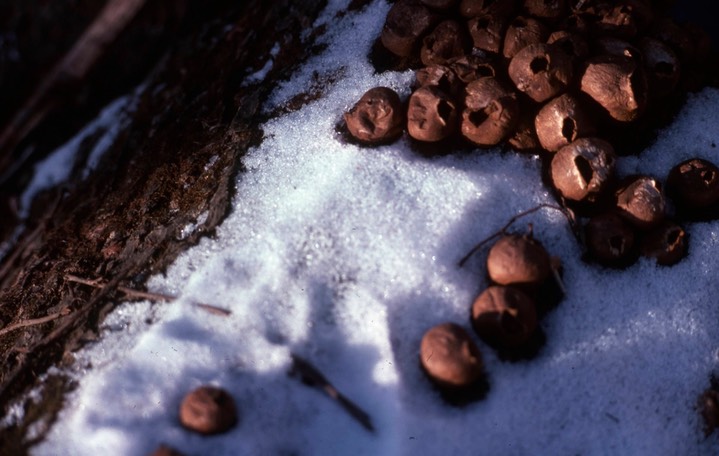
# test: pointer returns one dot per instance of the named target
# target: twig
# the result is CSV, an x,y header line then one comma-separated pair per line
x,y
34,321
311,376
503,230
214,309
558,280
132,293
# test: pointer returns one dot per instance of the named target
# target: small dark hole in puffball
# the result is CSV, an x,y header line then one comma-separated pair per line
x,y
708,176
664,68
584,168
482,23
444,110
635,79
538,64
443,84
509,323
519,23
567,47
617,243
569,129
477,118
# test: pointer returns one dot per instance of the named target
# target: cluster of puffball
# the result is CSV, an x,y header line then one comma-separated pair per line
x,y
505,316
565,79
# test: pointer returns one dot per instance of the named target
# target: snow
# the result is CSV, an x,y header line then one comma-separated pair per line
x,y
346,255
57,167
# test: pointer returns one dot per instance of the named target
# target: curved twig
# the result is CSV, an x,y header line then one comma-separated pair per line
x,y
566,212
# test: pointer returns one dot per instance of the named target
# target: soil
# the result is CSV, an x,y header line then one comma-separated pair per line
x,y
177,160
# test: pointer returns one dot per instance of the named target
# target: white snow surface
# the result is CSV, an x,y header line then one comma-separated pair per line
x,y
346,255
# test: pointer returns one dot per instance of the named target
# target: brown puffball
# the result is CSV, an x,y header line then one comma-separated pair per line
x,y
439,76
487,32
561,122
572,44
550,11
474,8
491,112
641,201
610,45
469,68
668,32
618,84
447,41
541,71
406,23
431,115
449,357
662,67
518,260
666,243
708,406
504,317
609,239
524,138
583,170
618,20
440,5
694,183
522,32
208,410
378,117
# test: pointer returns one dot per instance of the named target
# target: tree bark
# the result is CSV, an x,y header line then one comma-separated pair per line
x,y
173,166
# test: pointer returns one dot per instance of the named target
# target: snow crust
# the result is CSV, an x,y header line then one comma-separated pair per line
x,y
346,255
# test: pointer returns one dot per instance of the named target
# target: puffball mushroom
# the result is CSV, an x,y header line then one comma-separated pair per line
x,y
583,169
491,112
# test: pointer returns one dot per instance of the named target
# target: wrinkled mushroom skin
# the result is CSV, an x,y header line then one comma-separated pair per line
x,y
694,183
497,8
618,84
524,138
616,20
547,10
449,357
431,115
641,201
441,77
487,32
541,71
561,122
662,65
378,117
666,243
582,170
504,317
522,32
469,68
609,239
608,45
406,23
440,5
572,44
678,39
447,41
491,112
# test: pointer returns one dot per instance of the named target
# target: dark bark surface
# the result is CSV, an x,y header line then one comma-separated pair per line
x,y
176,160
